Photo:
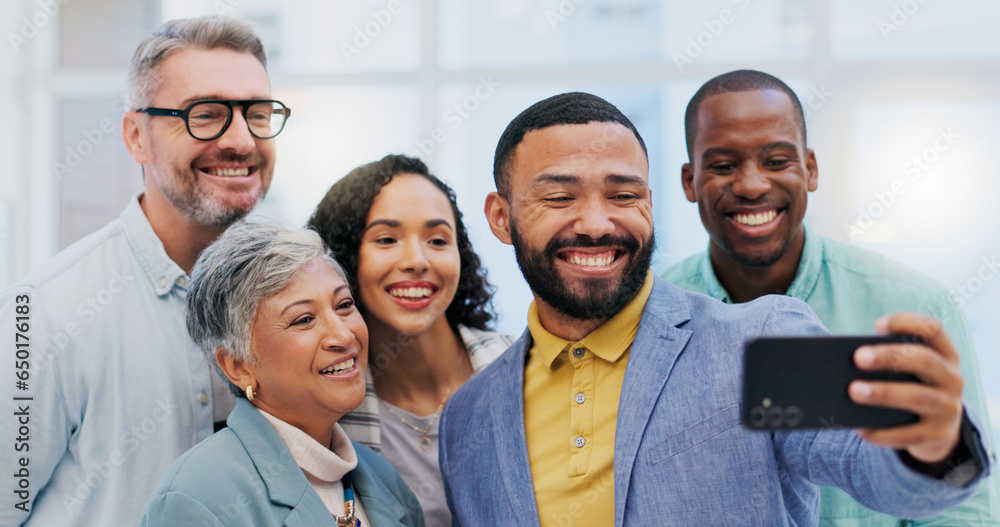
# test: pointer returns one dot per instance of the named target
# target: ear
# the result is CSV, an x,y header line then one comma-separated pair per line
x,y
687,181
236,370
135,134
812,170
497,211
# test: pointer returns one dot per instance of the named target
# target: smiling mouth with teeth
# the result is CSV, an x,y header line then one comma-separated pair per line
x,y
411,292
754,219
228,172
591,260
339,367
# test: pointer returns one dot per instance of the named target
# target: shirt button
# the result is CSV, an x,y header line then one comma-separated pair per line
x,y
203,398
181,281
580,398
578,352
163,281
579,441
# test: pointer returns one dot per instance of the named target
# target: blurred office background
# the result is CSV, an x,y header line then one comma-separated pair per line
x,y
902,100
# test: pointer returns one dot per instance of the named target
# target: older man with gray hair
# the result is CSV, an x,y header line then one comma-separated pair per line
x,y
114,389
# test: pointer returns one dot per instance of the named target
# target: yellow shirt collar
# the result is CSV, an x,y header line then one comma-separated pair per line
x,y
609,341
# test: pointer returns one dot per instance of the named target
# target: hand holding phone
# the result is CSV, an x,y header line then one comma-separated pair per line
x,y
937,400
802,383
913,386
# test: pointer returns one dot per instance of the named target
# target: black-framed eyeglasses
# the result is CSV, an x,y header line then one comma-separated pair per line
x,y
208,120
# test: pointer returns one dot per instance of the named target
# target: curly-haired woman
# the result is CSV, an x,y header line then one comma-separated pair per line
x,y
399,234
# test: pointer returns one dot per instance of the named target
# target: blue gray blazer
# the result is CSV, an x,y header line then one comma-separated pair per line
x,y
681,456
244,475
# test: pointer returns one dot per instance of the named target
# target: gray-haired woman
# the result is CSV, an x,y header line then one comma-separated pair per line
x,y
272,310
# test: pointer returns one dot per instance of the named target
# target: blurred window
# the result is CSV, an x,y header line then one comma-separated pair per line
x,y
441,79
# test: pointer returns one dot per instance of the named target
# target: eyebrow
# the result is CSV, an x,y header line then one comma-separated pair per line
x,y
388,223
434,223
561,179
210,97
769,147
621,179
293,304
717,151
396,224
309,300
778,145
556,179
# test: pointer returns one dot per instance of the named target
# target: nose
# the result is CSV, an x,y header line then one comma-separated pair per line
x,y
412,257
595,218
237,137
338,336
751,182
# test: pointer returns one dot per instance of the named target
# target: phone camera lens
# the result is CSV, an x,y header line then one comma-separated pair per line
x,y
793,416
775,416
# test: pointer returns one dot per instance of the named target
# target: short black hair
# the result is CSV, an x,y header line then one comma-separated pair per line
x,y
565,108
340,220
736,82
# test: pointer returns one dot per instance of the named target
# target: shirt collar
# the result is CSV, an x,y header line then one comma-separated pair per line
x,y
805,279
807,275
163,273
609,341
713,288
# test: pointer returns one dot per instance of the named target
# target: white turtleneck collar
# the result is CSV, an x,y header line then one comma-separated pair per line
x,y
324,467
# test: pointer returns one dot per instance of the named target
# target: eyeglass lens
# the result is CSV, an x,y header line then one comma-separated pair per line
x,y
208,119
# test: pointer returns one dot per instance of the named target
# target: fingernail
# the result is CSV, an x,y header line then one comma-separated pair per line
x,y
861,390
865,356
882,324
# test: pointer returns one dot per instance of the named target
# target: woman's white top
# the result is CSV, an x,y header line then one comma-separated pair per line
x,y
324,467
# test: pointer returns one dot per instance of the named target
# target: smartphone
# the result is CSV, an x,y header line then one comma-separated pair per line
x,y
801,383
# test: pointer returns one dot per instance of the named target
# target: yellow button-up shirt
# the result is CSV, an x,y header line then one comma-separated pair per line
x,y
571,395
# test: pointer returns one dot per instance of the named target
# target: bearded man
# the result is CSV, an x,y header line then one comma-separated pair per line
x,y
619,405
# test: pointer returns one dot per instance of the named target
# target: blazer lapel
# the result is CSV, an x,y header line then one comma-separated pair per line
x,y
297,518
283,478
656,347
507,411
286,484
380,505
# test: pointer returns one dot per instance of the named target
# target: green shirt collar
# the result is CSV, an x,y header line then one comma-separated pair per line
x,y
803,284
809,266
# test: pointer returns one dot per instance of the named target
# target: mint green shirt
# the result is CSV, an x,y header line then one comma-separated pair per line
x,y
849,289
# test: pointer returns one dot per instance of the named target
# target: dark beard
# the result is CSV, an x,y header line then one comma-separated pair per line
x,y
601,300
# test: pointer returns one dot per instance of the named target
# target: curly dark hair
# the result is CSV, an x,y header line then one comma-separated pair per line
x,y
340,220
